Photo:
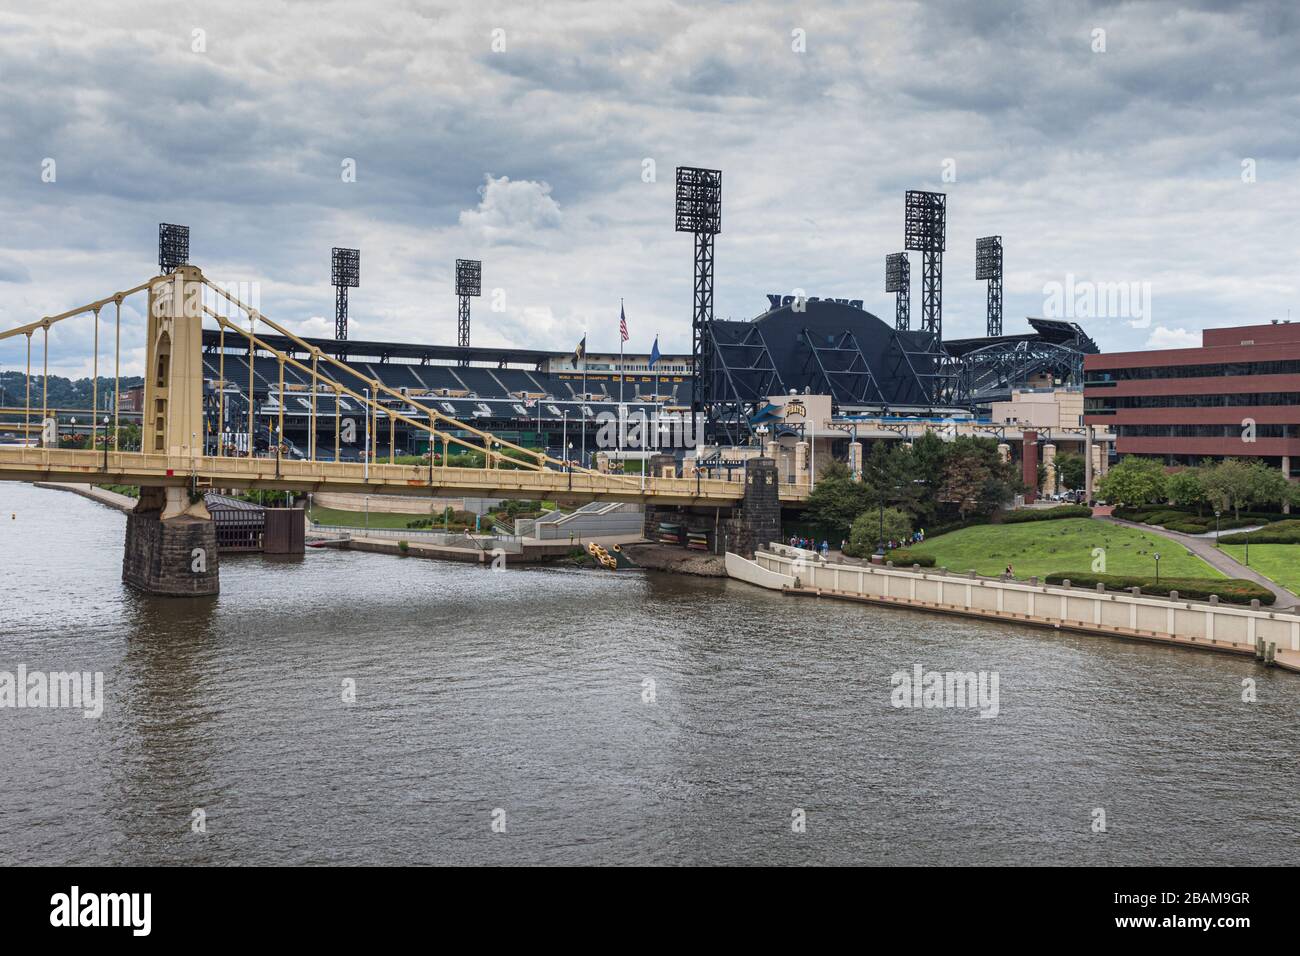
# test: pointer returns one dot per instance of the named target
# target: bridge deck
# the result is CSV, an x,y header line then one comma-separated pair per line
x,y
134,468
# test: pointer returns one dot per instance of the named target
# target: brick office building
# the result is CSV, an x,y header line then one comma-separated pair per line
x,y
1237,396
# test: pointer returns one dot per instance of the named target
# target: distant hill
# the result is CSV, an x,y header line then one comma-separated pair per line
x,y
64,392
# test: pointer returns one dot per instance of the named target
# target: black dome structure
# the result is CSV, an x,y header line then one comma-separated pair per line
x,y
819,346
830,347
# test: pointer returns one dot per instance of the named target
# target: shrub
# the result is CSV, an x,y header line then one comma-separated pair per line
x,y
1185,526
905,558
1046,514
1229,590
1280,532
403,547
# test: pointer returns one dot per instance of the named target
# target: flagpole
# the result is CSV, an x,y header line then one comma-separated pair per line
x,y
582,407
622,374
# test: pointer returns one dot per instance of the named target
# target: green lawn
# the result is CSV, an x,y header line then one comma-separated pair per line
x,y
1066,544
1278,562
378,519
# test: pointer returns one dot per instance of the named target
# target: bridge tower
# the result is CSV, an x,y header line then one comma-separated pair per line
x,y
171,541
173,385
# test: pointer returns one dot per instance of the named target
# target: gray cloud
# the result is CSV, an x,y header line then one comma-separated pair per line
x,y
1115,166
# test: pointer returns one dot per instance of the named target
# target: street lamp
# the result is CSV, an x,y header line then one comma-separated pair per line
x,y
1157,557
73,439
105,443
568,464
366,476
1216,527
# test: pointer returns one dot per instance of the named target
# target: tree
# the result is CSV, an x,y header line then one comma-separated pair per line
x,y
1265,485
925,468
866,530
1186,489
975,478
838,499
1229,484
1134,481
1072,471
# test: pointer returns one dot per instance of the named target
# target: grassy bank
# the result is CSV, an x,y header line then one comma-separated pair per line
x,y
1046,547
384,519
1279,563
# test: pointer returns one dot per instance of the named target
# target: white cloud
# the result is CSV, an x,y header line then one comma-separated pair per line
x,y
1166,338
512,211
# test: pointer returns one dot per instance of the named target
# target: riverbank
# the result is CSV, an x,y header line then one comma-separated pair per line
x,y
676,560
112,499
1269,635
529,553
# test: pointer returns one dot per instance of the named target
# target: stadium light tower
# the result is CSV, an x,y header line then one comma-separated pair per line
x,y
699,211
469,282
924,229
898,279
173,246
988,265
345,273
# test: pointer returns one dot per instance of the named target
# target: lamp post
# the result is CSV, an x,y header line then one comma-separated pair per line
x,y
1157,557
1216,527
367,499
1248,549
366,453
105,444
73,423
568,463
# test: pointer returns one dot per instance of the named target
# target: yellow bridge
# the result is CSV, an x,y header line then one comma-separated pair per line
x,y
174,466
207,471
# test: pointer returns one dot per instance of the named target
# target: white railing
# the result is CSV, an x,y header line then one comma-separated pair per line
x,y
1116,612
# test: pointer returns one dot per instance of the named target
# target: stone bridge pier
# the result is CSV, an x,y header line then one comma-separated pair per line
x,y
753,525
171,545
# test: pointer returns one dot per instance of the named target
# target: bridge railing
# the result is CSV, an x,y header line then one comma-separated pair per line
x,y
140,467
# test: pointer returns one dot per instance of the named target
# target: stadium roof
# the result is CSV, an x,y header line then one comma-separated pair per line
x,y
357,349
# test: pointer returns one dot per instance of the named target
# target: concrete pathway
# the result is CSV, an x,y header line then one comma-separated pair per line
x,y
1204,549
105,497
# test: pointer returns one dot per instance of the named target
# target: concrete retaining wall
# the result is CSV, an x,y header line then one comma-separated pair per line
x,y
1110,612
591,521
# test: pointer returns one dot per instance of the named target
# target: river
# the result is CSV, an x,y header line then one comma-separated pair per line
x,y
522,697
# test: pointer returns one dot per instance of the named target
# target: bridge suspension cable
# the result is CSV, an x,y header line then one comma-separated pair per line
x,y
541,459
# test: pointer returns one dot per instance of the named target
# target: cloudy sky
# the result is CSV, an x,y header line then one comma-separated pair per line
x,y
1151,144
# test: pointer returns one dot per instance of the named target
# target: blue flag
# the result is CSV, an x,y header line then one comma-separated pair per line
x,y
654,353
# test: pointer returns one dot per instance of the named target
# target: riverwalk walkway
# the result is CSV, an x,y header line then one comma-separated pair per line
x,y
105,497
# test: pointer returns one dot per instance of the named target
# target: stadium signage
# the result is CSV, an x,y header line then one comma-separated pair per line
x,y
777,301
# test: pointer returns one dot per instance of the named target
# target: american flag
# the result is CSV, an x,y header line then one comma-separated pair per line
x,y
622,323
